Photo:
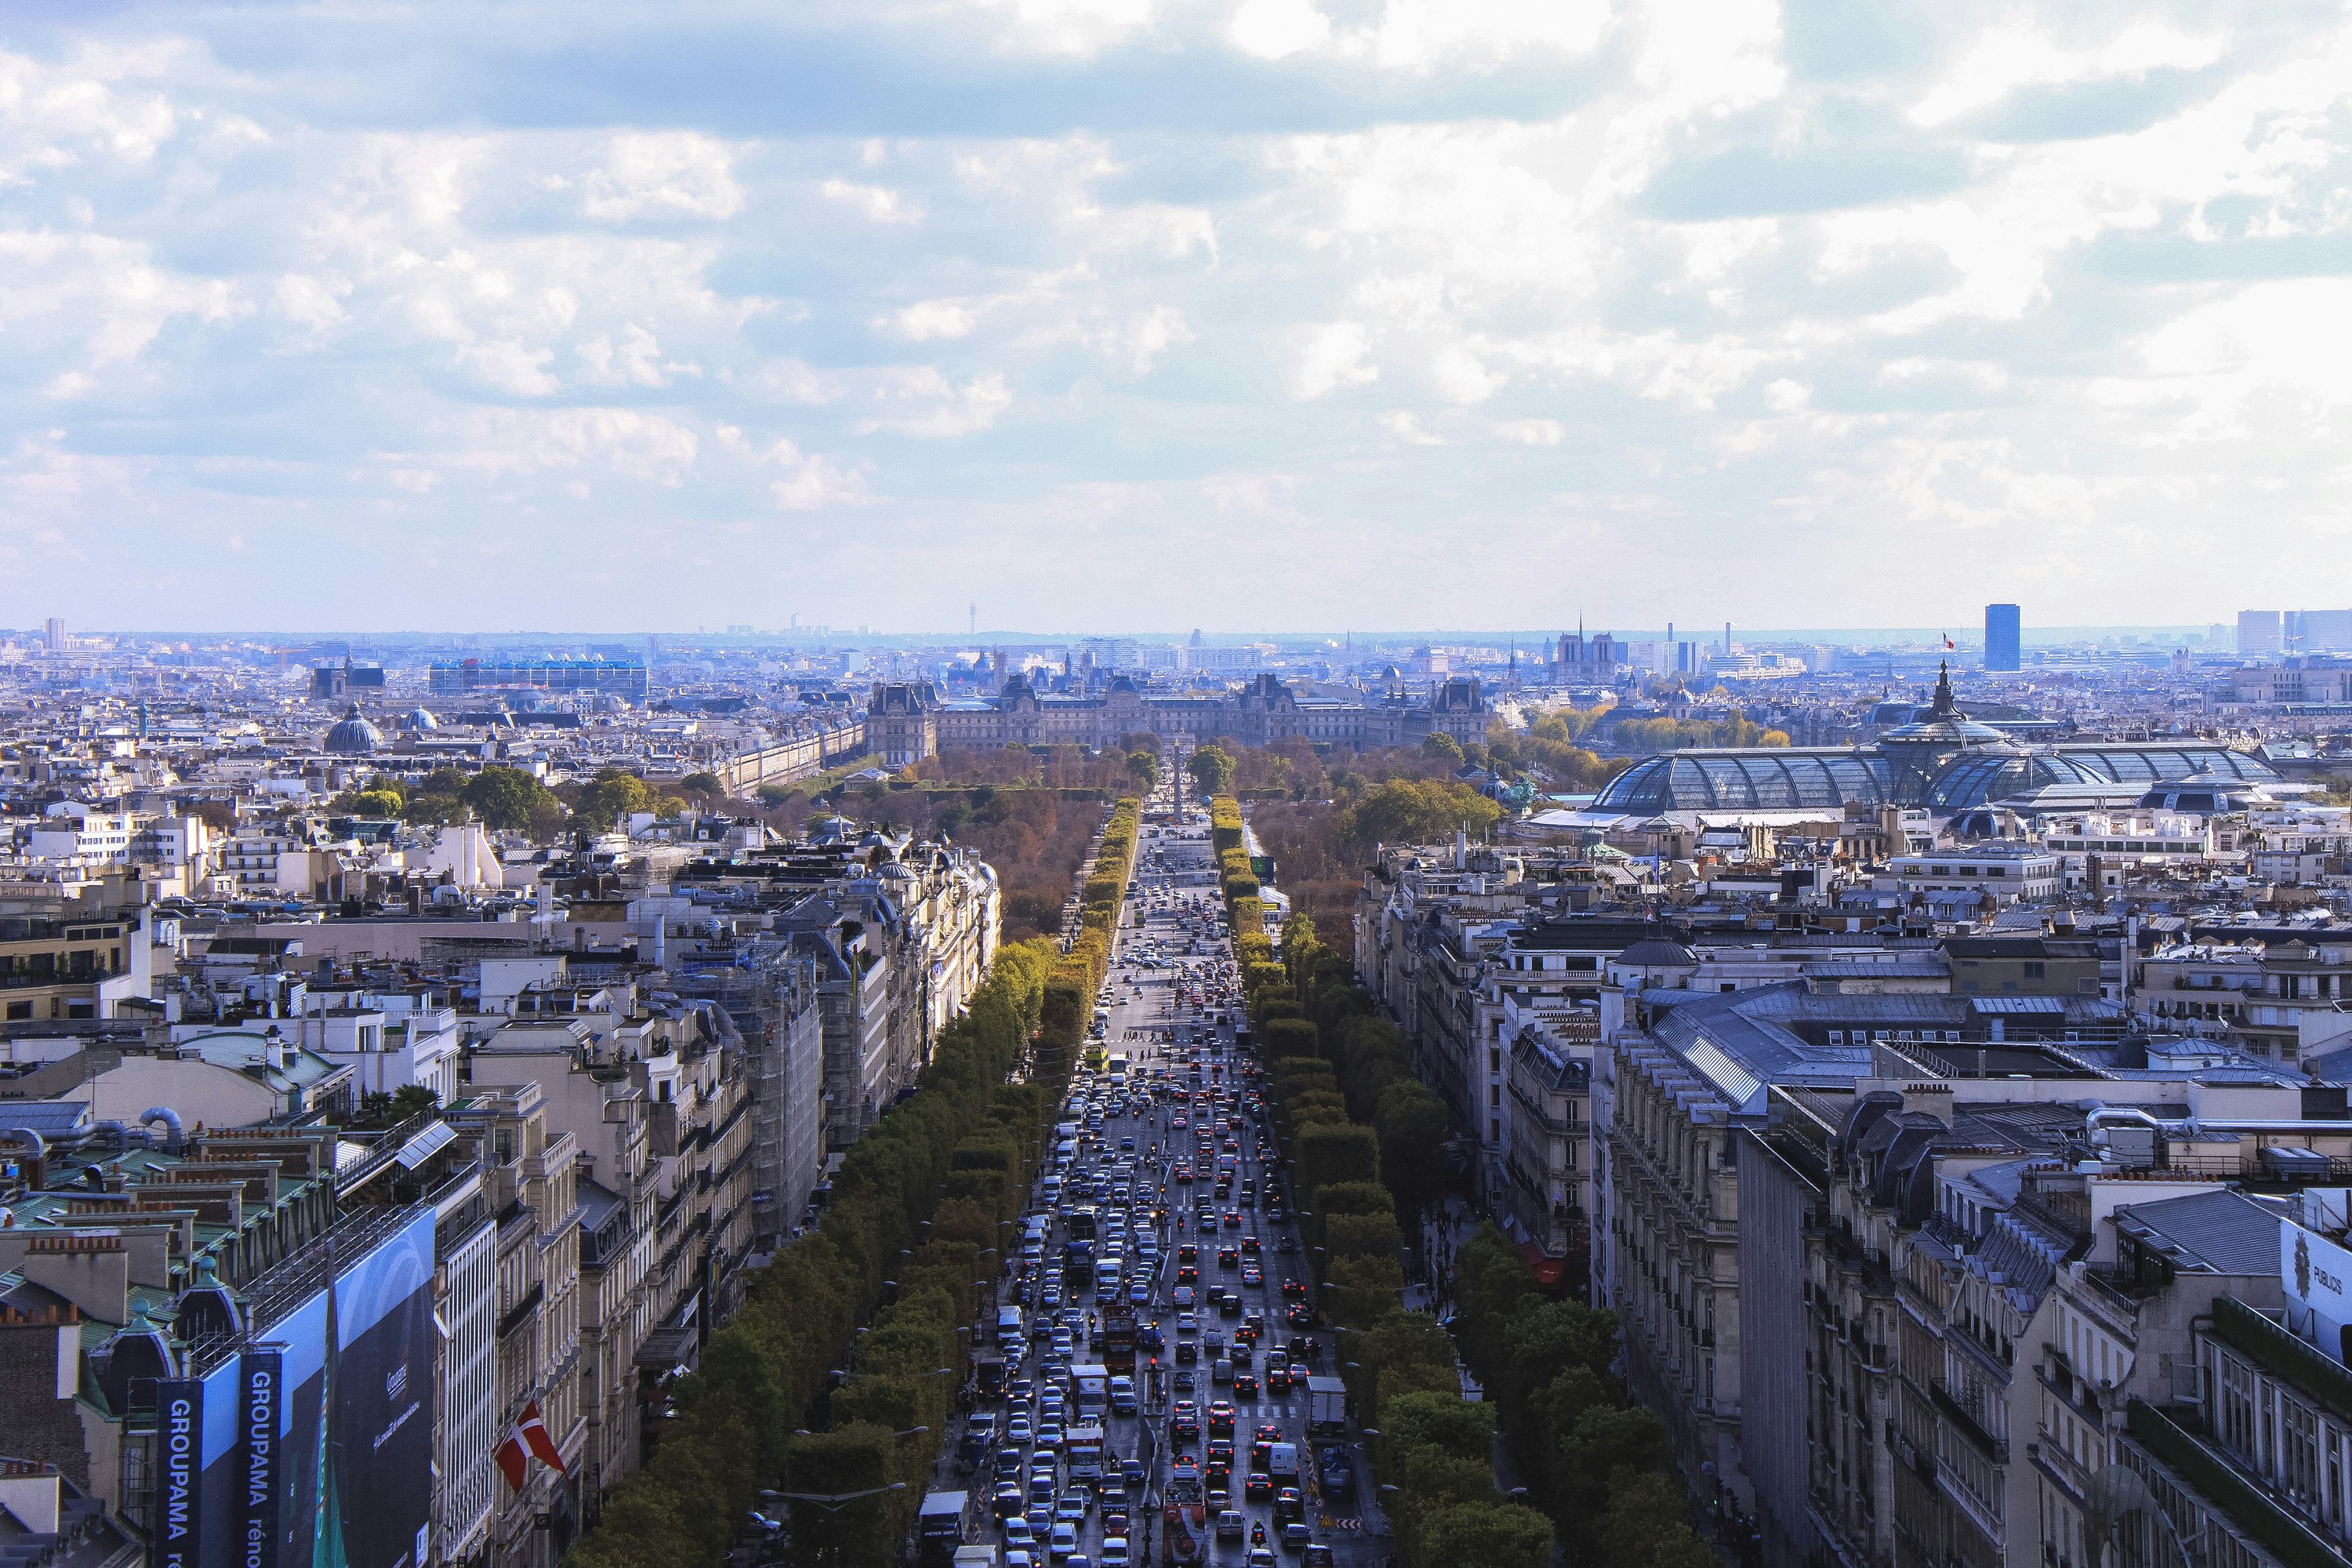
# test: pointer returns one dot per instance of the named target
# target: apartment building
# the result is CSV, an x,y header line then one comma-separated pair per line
x,y
531,1176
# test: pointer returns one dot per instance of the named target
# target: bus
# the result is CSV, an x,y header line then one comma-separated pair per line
x,y
1118,1341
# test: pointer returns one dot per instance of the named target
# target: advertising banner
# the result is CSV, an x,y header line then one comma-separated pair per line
x,y
356,1384
179,1473
263,1375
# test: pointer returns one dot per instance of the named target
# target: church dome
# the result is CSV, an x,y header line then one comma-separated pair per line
x,y
352,736
421,718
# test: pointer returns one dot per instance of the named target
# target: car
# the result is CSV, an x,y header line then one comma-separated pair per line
x,y
1319,1555
1008,1501
1293,1289
1266,1432
1220,1419
1244,1385
1187,1275
1049,1434
1223,1373
1259,1486
1252,1275
1017,1533
1018,1430
1233,1219
1285,1244
1074,1507
1278,1380
1250,1245
1062,1544
1183,1297
1231,1306
1183,1422
1040,1516
1230,1525
1288,1504
1229,1258
1113,1553
1299,1315
1259,1557
1295,1535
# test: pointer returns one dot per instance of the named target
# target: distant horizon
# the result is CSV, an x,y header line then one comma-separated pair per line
x,y
1533,637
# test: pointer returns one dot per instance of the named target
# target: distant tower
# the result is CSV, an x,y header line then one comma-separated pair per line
x,y
2003,642
55,634
975,620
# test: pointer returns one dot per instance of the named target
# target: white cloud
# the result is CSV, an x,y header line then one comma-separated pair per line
x,y
928,319
878,202
814,481
673,175
923,402
1330,357
2018,55
1630,239
1273,29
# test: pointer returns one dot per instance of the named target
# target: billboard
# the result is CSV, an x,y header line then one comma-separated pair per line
x,y
196,1456
352,1366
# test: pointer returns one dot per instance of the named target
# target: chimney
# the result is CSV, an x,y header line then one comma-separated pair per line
x,y
90,1269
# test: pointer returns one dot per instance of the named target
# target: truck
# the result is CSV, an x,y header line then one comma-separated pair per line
x,y
1089,1389
982,1556
1011,1334
1326,1406
1083,1445
941,1529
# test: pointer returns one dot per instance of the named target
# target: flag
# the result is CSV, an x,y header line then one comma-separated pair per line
x,y
514,1459
1949,645
525,1439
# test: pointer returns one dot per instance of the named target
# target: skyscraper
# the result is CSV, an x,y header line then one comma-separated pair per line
x,y
2001,639
2260,631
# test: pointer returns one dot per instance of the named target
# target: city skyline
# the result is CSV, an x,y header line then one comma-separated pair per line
x,y
869,311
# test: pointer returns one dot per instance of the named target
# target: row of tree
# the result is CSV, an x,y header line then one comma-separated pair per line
x,y
910,1246
917,1204
1434,1452
1595,1465
1598,1463
511,800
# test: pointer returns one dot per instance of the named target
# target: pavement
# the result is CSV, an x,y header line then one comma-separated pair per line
x,y
1149,1017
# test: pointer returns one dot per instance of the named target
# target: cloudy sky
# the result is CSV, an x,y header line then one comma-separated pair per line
x,y
1158,314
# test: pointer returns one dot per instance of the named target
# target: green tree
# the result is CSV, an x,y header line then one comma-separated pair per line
x,y
612,795
1439,746
1490,1534
379,1110
1144,767
1413,811
704,782
1212,768
1645,1525
1603,1439
1412,1128
510,799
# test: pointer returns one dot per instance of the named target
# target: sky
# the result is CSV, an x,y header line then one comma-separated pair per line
x,y
1100,314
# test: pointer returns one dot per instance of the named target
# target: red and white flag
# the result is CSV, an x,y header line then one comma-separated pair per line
x,y
1949,645
526,1439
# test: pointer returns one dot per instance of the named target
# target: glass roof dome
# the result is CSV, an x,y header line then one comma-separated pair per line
x,y
1764,779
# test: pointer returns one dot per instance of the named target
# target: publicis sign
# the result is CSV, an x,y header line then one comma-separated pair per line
x,y
179,1473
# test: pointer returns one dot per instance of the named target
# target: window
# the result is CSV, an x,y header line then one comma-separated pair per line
x,y
2034,972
